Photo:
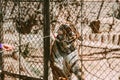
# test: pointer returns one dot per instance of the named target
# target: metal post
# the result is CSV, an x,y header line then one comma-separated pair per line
x,y
1,41
1,22
82,73
46,38
1,66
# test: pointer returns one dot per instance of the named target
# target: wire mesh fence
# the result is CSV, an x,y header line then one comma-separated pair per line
x,y
96,21
23,29
98,24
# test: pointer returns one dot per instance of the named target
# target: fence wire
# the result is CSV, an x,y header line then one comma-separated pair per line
x,y
97,22
23,28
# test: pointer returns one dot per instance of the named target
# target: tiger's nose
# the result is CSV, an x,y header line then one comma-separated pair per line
x,y
71,34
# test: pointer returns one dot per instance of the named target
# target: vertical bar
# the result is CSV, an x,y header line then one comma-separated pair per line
x,y
1,41
1,66
46,34
100,9
1,20
82,5
19,11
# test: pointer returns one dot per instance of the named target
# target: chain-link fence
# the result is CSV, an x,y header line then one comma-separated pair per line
x,y
22,27
96,21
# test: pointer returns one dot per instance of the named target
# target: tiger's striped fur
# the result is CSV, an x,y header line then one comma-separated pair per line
x,y
64,54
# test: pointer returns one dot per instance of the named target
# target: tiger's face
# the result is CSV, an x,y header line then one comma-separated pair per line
x,y
66,39
66,33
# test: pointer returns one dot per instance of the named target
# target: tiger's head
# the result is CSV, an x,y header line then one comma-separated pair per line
x,y
66,38
67,33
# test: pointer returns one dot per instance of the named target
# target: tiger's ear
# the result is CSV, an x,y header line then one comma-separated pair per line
x,y
75,30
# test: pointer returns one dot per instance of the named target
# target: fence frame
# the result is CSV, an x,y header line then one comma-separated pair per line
x,y
46,32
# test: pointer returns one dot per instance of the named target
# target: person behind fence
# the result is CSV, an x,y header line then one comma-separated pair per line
x,y
6,47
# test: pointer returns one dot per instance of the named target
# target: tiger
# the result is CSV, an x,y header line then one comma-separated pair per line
x,y
65,60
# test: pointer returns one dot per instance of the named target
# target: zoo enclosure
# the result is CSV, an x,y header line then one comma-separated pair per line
x,y
17,19
100,46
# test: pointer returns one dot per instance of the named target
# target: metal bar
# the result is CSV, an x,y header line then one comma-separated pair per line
x,y
46,39
24,77
100,9
82,5
1,66
1,41
19,38
1,22
30,0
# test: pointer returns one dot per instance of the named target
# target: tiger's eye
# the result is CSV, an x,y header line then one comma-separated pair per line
x,y
60,32
70,33
68,29
60,37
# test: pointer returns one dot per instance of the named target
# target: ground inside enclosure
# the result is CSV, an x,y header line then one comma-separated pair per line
x,y
99,52
100,60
